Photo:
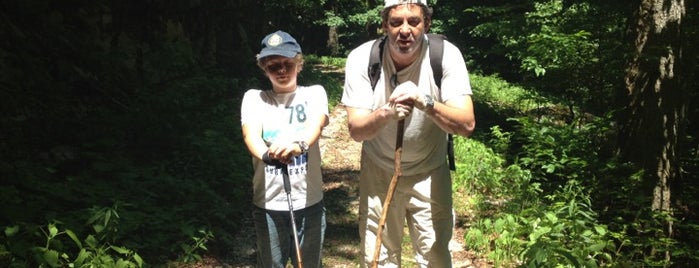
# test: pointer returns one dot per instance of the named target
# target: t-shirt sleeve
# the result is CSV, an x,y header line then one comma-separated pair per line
x,y
357,88
249,107
455,80
320,100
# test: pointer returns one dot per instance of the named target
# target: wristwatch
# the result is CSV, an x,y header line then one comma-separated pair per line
x,y
303,145
429,102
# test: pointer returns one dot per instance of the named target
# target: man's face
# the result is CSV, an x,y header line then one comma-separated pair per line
x,y
405,27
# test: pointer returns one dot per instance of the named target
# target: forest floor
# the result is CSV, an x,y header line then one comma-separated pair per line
x,y
341,180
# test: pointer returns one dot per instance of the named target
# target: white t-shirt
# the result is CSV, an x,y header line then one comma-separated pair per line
x,y
424,143
282,117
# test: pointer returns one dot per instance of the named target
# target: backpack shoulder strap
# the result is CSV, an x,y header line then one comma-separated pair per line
x,y
375,60
436,43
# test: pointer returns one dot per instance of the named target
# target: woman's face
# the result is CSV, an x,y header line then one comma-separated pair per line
x,y
282,72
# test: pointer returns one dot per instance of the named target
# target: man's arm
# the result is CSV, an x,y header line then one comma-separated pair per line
x,y
455,116
365,124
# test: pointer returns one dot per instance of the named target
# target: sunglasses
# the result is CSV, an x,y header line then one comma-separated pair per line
x,y
278,66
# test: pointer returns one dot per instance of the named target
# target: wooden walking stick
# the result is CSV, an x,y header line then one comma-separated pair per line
x,y
391,189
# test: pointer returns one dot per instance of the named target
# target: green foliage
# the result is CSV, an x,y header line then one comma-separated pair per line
x,y
481,171
369,17
570,161
333,20
567,233
353,22
496,240
134,119
114,106
333,61
561,232
198,244
553,47
637,229
105,222
564,49
556,153
504,98
326,71
96,250
516,224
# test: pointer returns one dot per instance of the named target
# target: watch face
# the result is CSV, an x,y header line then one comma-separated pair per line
x,y
303,145
429,101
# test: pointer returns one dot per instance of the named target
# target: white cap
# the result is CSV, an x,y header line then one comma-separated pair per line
x,y
390,3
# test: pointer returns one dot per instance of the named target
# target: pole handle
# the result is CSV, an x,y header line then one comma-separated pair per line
x,y
285,173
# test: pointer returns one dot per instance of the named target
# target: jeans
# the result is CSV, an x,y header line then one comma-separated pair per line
x,y
275,239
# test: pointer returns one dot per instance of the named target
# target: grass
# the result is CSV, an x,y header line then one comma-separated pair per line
x,y
325,71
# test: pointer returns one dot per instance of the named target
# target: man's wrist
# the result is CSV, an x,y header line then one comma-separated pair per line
x,y
425,103
385,113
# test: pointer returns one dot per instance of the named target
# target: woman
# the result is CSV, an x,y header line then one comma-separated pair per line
x,y
281,128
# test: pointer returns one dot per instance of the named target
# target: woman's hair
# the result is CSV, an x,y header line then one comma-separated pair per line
x,y
262,63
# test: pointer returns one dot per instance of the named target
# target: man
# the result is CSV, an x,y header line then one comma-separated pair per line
x,y
406,90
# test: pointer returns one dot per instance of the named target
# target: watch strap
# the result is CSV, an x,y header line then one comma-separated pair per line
x,y
429,102
303,145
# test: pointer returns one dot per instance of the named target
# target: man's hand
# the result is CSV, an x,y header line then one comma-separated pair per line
x,y
397,111
409,94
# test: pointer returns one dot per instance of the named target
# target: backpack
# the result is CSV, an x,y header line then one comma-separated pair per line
x,y
436,43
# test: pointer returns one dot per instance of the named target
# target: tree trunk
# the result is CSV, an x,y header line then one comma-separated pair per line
x,y
333,41
656,101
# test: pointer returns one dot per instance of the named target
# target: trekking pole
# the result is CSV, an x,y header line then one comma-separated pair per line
x,y
287,188
391,189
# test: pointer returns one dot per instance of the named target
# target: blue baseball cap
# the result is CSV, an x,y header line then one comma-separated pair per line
x,y
279,43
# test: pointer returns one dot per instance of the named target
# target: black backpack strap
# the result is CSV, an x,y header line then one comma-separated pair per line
x,y
375,61
436,43
450,152
436,56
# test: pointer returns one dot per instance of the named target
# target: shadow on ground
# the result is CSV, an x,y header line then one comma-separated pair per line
x,y
342,235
